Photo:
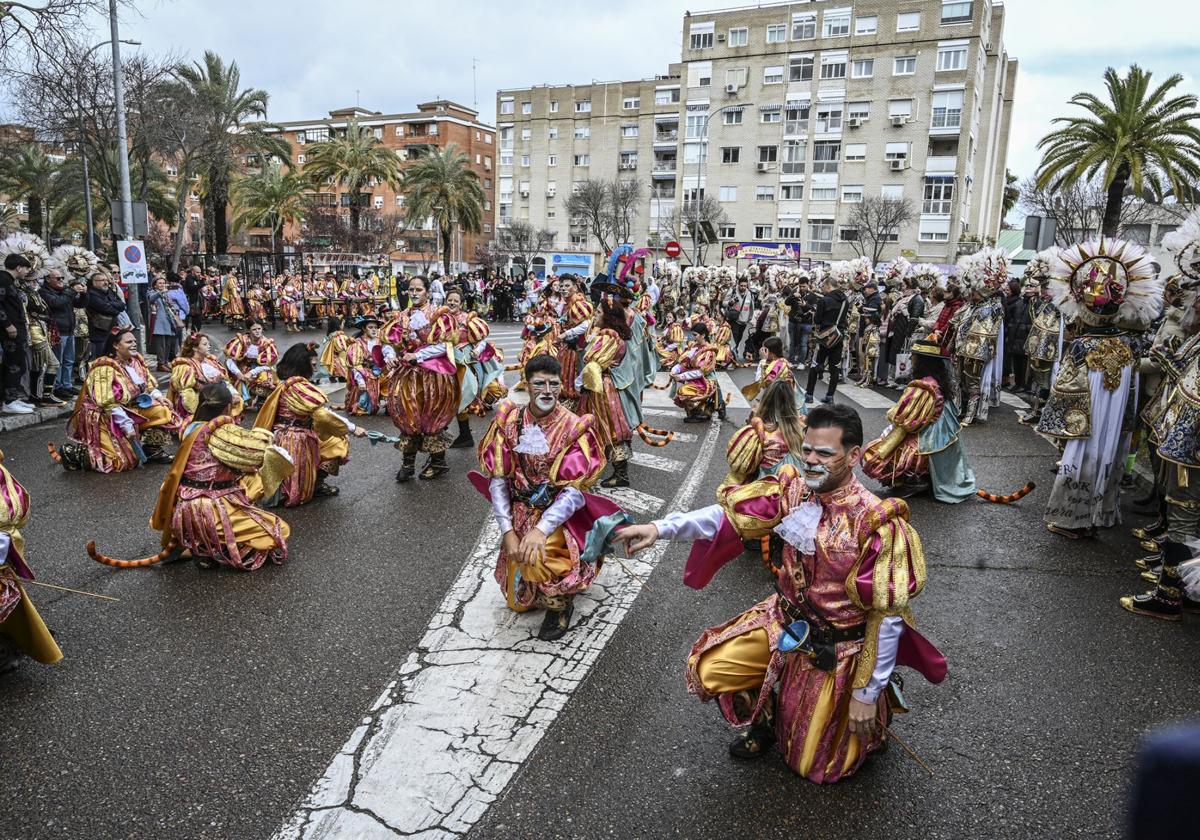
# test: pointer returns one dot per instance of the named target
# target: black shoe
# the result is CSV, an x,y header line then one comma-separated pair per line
x,y
408,469
619,476
65,394
753,743
555,623
1150,604
808,400
324,489
464,440
435,467
828,399
721,412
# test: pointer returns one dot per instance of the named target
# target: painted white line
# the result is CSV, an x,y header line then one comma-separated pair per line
x,y
1013,401
663,412
684,437
471,702
657,462
731,391
864,397
634,501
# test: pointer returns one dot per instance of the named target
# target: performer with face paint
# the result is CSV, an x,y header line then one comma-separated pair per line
x,y
839,621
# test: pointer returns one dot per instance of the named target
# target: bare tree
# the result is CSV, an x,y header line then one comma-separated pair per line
x,y
878,222
1078,210
624,196
32,30
488,256
675,225
608,209
522,242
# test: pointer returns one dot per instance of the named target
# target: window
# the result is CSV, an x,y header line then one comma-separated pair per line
x,y
847,233
934,230
631,103
858,111
702,35
553,106
952,56
583,106
731,154
739,37
629,131
377,133
478,159
526,107
908,21
852,195
836,23
864,68
856,151
487,138
825,155
793,157
800,68
523,186
733,117
579,240
947,109
956,11
772,75
728,193
666,96
766,193
551,187
866,25
895,192
735,77
776,33
552,133
804,26
399,201
399,131
791,233
506,157
583,132
773,115
823,192
939,196
695,123
629,160
583,160
507,106
900,108
905,65
695,153
795,115
896,151
768,154
727,232
791,192
833,65
525,160
552,160
699,74
526,133
433,130
820,236
762,231
829,118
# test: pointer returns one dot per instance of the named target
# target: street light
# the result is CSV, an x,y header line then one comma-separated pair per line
x,y
699,169
135,313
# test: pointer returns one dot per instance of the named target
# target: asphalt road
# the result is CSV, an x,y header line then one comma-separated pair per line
x,y
207,703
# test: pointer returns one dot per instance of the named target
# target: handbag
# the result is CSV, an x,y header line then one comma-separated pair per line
x,y
903,365
830,337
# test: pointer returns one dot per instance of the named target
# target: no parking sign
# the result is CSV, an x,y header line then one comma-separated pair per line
x,y
131,257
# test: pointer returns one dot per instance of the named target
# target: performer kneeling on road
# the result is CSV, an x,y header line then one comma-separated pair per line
x,y
809,665
537,464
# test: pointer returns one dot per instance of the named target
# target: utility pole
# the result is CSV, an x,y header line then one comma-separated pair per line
x,y
134,308
701,160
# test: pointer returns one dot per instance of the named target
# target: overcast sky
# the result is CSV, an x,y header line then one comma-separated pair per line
x,y
390,54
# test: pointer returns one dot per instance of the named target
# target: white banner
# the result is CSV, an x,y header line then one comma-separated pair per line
x,y
131,256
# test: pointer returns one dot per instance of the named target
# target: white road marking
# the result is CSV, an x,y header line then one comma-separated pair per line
x,y
864,397
634,501
663,412
684,437
732,393
1013,401
657,462
470,704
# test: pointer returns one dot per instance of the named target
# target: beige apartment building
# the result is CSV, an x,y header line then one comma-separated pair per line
x,y
789,114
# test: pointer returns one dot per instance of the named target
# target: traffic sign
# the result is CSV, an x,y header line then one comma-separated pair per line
x,y
673,249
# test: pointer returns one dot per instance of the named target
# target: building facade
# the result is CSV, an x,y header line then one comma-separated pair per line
x,y
790,115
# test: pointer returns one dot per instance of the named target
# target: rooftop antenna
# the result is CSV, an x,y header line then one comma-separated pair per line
x,y
474,85
357,98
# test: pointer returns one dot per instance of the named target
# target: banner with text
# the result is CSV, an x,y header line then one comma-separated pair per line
x,y
762,251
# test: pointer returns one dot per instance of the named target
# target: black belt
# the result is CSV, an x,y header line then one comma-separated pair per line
x,y
822,632
539,496
208,485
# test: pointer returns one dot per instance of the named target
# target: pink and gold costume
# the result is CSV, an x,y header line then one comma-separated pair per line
x,y
335,355
232,306
257,299
19,620
577,313
368,361
723,339
600,396
188,376
849,565
255,359
545,489
695,386
422,395
290,300
674,342
756,451
315,437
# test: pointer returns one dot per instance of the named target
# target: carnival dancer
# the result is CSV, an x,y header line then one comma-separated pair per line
x,y
674,339
840,620
251,358
233,308
772,437
291,298
979,338
422,393
298,413
541,338
539,462
121,420
479,362
1109,288
694,381
206,505
1044,345
20,624
920,448
610,383
572,340
257,299
722,338
195,367
773,366
368,357
335,352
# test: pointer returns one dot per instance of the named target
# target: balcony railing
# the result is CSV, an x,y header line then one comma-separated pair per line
x,y
664,166
666,136
941,164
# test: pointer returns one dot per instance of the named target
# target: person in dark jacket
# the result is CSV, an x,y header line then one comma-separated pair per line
x,y
801,304
14,334
104,304
193,283
1018,320
908,309
832,313
62,301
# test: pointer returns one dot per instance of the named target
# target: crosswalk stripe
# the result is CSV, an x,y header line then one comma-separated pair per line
x,y
471,703
634,501
657,462
865,397
1013,401
663,412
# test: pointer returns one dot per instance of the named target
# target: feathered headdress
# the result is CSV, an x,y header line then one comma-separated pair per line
x,y
1041,265
985,271
625,269
80,262
1184,245
1107,281
927,275
897,271
28,246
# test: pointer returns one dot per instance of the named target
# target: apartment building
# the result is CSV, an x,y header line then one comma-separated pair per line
x,y
436,124
789,114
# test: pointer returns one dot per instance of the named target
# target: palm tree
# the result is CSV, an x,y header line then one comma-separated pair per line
x,y
1139,138
1012,193
353,160
226,107
442,186
26,172
271,196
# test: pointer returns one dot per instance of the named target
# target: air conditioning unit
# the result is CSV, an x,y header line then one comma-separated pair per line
x,y
549,193
899,165
854,122
762,167
899,120
720,39
731,89
524,193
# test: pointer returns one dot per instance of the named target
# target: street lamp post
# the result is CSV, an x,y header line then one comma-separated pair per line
x,y
135,313
700,169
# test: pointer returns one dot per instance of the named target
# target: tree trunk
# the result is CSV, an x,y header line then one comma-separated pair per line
x,y
219,190
446,232
1116,197
209,216
355,221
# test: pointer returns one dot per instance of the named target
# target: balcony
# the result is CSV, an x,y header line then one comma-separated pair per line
x,y
663,167
942,165
671,136
937,207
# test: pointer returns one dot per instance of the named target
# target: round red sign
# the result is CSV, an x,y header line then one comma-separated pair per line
x,y
673,249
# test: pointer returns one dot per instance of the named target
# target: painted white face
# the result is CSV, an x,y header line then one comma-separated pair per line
x,y
544,389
